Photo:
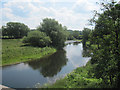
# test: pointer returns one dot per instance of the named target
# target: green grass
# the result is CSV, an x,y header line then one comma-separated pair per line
x,y
14,51
58,84
81,77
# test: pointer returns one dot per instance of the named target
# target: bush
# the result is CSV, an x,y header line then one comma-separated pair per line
x,y
37,38
55,31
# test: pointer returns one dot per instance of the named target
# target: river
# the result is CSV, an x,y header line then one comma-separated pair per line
x,y
45,70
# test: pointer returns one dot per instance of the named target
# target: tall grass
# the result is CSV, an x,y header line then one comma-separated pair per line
x,y
14,51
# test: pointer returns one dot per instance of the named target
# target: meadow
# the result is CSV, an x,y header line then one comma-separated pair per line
x,y
14,51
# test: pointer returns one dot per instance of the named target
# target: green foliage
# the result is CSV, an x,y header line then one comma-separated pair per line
x,y
74,35
14,51
86,32
55,31
15,30
81,77
106,36
37,38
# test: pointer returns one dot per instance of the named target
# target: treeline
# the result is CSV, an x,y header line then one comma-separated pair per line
x,y
72,35
48,33
14,30
104,41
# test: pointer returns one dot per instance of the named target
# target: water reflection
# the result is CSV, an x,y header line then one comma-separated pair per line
x,y
51,65
47,69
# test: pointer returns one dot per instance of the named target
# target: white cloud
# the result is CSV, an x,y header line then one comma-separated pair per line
x,y
37,11
0,15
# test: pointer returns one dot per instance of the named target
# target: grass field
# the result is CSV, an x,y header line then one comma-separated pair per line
x,y
14,51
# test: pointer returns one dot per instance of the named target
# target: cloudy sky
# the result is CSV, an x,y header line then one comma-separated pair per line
x,y
71,13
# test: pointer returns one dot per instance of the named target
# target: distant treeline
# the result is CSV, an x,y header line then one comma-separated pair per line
x,y
48,33
74,34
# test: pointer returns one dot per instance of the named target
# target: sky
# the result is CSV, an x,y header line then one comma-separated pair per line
x,y
74,14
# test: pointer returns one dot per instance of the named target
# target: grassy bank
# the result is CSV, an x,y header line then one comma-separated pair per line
x,y
81,77
14,51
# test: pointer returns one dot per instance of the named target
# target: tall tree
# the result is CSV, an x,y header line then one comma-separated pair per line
x,y
86,33
55,31
107,34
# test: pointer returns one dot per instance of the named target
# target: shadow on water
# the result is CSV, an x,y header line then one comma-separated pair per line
x,y
45,70
51,65
76,43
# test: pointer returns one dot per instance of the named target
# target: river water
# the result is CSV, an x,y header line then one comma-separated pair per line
x,y
45,70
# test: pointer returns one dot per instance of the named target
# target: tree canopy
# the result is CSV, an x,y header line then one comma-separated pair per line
x,y
74,34
37,38
85,37
55,31
107,35
15,30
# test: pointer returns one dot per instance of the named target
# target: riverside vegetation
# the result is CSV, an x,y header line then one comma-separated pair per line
x,y
103,70
14,51
81,77
20,44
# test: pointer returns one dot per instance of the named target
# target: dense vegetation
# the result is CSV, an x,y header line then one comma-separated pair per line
x,y
72,35
48,33
14,30
85,36
106,35
18,41
103,70
37,38
81,77
14,51
56,32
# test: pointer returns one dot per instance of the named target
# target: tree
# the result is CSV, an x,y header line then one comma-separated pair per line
x,y
86,33
107,35
55,31
15,30
74,34
37,38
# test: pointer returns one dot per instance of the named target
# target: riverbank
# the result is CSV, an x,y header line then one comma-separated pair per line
x,y
14,51
81,77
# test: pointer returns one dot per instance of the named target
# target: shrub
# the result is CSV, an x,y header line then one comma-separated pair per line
x,y
55,31
37,38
